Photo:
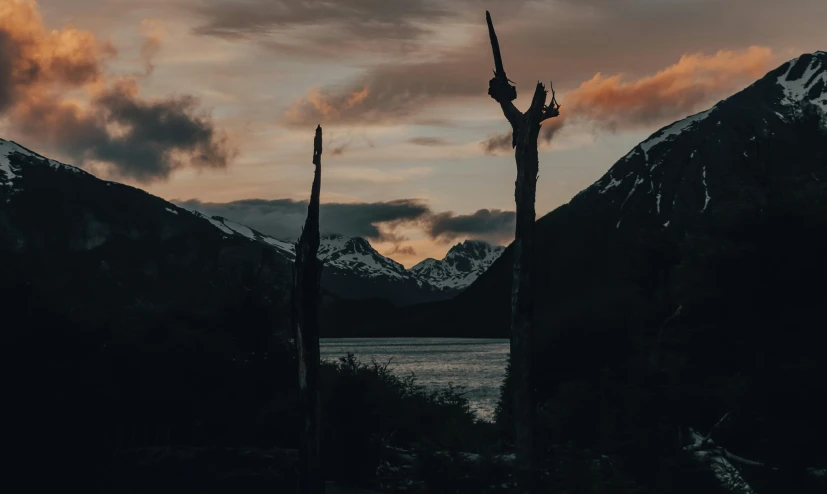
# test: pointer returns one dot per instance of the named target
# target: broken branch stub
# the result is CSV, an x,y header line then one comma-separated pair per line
x,y
498,86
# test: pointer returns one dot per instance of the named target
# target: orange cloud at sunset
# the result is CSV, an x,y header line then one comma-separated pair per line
x,y
34,59
325,106
672,92
43,71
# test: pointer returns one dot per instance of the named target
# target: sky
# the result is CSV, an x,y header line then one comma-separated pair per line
x,y
213,104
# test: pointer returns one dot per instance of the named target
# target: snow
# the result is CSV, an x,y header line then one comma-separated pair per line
x,y
727,474
796,91
613,183
232,228
218,224
746,155
168,209
666,224
7,148
672,131
444,273
706,190
658,202
631,153
638,181
280,244
240,229
57,164
634,187
5,166
9,173
356,255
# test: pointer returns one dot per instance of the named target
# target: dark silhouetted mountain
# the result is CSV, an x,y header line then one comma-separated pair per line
x,y
113,255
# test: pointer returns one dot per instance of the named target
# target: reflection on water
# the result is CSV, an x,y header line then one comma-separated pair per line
x,y
477,364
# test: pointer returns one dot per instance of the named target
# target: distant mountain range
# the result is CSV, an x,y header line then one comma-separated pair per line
x,y
353,268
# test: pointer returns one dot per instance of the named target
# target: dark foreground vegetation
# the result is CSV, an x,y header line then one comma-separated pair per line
x,y
179,409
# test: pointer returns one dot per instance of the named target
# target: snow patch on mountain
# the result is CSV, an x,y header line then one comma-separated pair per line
x,y
463,264
357,255
9,148
669,133
288,247
809,87
7,173
706,190
216,222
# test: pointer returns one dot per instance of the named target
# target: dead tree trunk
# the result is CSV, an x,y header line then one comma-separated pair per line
x,y
526,129
307,271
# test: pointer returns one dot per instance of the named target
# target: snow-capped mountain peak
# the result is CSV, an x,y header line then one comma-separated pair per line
x,y
805,81
357,255
463,263
677,175
9,171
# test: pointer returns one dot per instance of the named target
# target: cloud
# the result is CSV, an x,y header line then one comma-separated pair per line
x,y
615,103
153,32
672,92
428,141
493,225
284,218
360,174
393,94
404,250
42,72
497,143
571,53
320,22
501,143
377,221
388,93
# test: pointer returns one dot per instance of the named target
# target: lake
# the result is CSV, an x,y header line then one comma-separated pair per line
x,y
476,364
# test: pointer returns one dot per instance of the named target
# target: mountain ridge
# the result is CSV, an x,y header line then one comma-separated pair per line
x,y
462,264
353,268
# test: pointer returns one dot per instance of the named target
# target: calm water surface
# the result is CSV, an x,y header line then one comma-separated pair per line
x,y
479,365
